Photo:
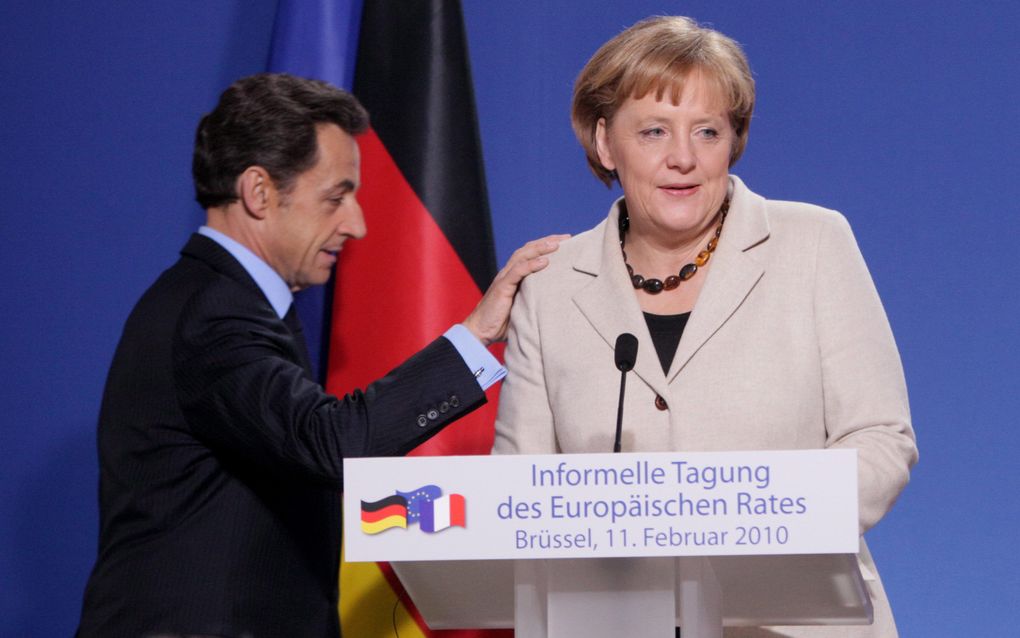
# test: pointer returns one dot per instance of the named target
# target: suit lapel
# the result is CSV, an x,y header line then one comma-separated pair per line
x,y
733,274
293,323
609,303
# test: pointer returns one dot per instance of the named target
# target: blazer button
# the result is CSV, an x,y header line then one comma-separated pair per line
x,y
444,407
433,414
422,421
454,401
661,403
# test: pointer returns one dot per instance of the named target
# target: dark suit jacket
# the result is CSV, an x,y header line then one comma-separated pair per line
x,y
221,461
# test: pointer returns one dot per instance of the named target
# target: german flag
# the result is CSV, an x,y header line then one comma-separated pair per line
x,y
429,253
383,514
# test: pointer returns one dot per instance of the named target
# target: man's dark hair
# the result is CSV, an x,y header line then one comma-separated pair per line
x,y
267,120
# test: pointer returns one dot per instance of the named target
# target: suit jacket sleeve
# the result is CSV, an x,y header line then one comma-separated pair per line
x,y
524,423
865,395
244,394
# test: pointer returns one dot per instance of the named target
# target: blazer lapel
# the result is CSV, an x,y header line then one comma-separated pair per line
x,y
609,303
734,272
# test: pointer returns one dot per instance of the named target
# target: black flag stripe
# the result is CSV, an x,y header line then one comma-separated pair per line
x,y
414,78
375,506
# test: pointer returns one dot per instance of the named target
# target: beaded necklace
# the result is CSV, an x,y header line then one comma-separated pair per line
x,y
655,286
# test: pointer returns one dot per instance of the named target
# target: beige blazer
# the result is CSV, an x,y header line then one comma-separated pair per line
x,y
788,347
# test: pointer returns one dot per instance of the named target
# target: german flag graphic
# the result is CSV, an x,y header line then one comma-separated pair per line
x,y
383,514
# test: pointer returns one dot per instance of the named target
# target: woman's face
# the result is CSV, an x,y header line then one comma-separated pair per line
x,y
672,160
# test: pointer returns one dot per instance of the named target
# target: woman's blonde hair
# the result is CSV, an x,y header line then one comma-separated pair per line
x,y
659,54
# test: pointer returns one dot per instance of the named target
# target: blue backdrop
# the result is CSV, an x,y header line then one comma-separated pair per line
x,y
902,115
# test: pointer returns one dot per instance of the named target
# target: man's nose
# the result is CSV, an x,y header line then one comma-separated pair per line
x,y
353,223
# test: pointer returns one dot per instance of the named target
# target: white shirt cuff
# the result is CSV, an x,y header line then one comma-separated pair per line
x,y
479,360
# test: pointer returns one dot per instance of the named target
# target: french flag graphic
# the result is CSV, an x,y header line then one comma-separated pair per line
x,y
445,511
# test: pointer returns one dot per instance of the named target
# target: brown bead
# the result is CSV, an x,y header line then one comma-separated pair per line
x,y
655,286
661,403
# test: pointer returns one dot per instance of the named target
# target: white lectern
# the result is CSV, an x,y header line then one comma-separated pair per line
x,y
615,545
698,593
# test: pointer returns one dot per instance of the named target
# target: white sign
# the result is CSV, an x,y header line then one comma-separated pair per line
x,y
601,505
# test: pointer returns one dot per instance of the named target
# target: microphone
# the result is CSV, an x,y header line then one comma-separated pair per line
x,y
625,355
626,352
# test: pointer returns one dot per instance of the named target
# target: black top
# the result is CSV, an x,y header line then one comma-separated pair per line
x,y
666,331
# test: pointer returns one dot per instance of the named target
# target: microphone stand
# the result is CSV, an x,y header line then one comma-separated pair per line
x,y
619,411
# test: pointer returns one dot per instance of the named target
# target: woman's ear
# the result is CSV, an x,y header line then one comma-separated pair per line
x,y
602,148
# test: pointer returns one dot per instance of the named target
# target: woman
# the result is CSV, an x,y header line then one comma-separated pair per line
x,y
785,344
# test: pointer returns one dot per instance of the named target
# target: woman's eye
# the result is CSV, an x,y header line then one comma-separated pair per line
x,y
708,133
653,132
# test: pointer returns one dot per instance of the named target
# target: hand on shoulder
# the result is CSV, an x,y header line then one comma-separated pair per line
x,y
489,320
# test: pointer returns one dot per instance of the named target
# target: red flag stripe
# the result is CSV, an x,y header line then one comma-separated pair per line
x,y
411,287
378,515
458,510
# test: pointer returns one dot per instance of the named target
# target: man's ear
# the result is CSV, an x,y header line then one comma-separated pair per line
x,y
256,190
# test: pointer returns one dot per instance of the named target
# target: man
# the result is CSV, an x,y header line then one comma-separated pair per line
x,y
220,457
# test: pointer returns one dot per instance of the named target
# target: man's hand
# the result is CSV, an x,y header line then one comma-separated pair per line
x,y
488,321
